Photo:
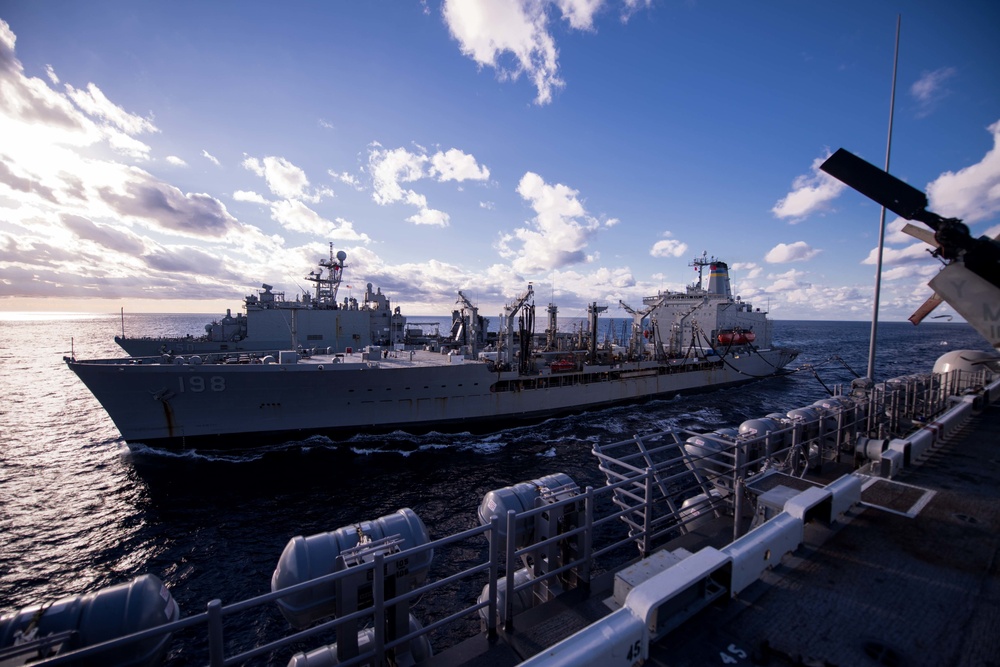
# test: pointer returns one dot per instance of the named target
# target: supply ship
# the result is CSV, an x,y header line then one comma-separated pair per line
x,y
699,339
272,322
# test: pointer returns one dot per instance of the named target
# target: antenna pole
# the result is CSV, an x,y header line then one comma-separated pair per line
x,y
881,228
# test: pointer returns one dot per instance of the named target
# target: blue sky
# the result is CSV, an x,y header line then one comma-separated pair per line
x,y
172,156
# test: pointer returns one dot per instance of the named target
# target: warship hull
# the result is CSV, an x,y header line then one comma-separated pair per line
x,y
236,405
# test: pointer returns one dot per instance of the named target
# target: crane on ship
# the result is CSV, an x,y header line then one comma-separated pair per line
x,y
635,342
469,331
510,312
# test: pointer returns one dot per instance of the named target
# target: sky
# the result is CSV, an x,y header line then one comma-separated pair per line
x,y
173,156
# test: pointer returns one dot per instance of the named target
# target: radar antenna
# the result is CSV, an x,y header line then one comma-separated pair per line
x,y
326,287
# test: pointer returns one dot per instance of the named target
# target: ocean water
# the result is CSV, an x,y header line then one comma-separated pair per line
x,y
80,510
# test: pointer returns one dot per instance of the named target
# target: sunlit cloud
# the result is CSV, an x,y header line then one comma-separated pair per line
x,y
558,234
391,168
296,216
283,178
250,196
455,165
790,252
668,247
972,193
915,252
514,38
510,37
211,158
93,102
811,193
347,179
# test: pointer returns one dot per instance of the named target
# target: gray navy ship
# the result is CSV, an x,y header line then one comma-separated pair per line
x,y
699,339
272,322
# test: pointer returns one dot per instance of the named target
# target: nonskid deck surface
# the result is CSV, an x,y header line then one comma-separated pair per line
x,y
910,576
888,586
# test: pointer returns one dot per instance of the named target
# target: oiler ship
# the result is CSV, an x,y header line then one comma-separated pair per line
x,y
237,400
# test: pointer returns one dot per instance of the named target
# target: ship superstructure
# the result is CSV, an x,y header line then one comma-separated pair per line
x,y
313,319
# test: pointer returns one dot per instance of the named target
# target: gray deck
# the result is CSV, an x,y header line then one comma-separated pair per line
x,y
911,579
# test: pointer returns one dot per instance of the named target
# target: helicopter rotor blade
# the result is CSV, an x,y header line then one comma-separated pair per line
x,y
881,187
925,309
921,234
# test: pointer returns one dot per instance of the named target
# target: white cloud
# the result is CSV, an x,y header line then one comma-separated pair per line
x,y
972,193
486,31
454,165
513,37
211,158
295,216
810,193
430,216
51,73
930,88
93,102
790,252
580,13
346,178
559,232
915,252
283,178
894,232
790,280
250,196
668,247
74,223
390,168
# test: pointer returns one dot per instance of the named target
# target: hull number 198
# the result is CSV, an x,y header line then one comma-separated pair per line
x,y
198,383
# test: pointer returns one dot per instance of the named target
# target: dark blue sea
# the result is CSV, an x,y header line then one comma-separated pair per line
x,y
80,510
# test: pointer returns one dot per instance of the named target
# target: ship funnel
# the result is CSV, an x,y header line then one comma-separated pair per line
x,y
718,279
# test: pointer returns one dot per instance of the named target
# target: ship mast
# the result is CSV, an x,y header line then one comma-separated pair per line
x,y
699,264
326,287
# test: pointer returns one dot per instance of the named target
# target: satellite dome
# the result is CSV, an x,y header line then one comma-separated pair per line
x,y
341,255
966,360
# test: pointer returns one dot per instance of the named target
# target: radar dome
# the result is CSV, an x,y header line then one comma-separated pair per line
x,y
341,255
967,360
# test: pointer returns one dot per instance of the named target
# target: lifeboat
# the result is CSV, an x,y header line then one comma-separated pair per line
x,y
736,336
562,366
